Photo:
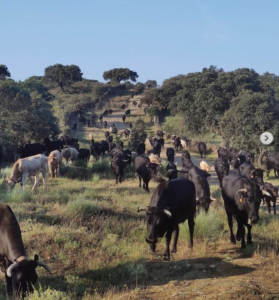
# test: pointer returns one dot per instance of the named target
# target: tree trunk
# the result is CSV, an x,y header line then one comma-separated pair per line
x,y
260,158
224,142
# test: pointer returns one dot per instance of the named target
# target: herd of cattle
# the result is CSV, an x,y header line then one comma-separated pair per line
x,y
172,201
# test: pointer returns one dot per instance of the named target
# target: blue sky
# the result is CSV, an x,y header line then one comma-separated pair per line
x,y
156,38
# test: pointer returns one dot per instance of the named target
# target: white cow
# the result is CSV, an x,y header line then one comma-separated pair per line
x,y
29,166
54,163
69,154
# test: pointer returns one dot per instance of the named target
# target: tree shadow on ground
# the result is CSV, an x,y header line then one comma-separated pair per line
x,y
140,272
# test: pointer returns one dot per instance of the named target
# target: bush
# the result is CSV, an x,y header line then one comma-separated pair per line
x,y
48,295
136,133
81,208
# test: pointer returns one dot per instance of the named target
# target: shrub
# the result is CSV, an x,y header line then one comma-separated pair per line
x,y
48,294
81,208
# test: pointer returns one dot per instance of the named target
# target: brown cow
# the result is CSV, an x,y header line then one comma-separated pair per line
x,y
54,163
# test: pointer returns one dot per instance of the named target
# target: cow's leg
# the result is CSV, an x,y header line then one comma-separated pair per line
x,y
191,225
249,236
139,181
168,240
146,187
9,287
267,201
23,180
230,223
36,182
240,235
176,234
44,179
274,207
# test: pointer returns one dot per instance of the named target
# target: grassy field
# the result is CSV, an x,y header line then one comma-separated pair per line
x,y
88,230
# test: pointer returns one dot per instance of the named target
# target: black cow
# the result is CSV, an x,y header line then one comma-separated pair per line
x,y
70,141
232,153
177,143
84,154
222,152
271,194
127,112
96,150
110,139
170,155
161,141
172,203
20,272
120,145
107,134
31,149
160,134
249,155
156,149
53,145
131,125
123,106
105,124
105,112
172,171
104,146
81,118
110,111
248,170
145,170
222,168
111,146
118,164
74,127
242,201
101,119
199,178
187,163
140,148
127,133
123,118
202,149
272,162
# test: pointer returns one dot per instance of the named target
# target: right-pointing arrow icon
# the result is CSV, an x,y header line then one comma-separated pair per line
x,y
266,138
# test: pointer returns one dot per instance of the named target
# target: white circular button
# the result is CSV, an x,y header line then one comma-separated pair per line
x,y
266,138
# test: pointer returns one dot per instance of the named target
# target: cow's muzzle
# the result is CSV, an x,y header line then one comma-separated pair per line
x,y
148,241
253,220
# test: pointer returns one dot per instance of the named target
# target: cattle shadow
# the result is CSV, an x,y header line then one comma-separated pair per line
x,y
140,272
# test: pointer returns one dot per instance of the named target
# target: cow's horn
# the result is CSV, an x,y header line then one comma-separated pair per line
x,y
125,160
10,269
168,213
141,209
242,191
41,264
212,199
266,193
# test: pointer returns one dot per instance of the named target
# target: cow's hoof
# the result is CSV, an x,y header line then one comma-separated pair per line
x,y
173,250
166,257
250,242
233,241
238,236
243,245
190,246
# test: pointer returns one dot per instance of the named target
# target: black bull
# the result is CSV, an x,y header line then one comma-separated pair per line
x,y
172,203
20,272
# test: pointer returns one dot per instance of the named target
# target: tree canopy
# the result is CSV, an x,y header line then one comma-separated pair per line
x,y
23,117
150,84
4,72
119,74
62,75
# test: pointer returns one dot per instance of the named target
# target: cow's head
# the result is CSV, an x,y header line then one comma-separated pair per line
x,y
269,190
12,182
153,168
237,161
222,152
157,221
249,201
223,168
256,176
204,202
23,275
